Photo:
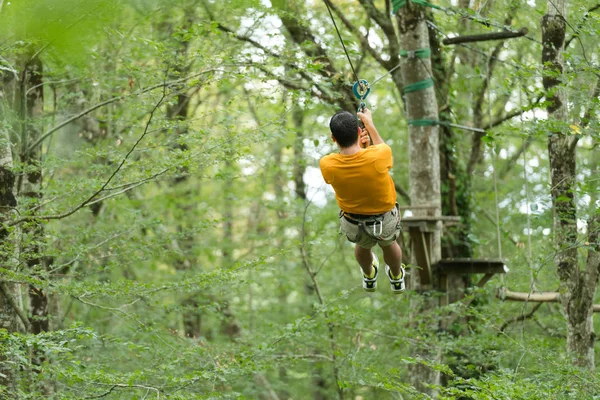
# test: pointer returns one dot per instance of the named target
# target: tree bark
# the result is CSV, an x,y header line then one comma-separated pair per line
x,y
10,292
424,167
485,37
31,101
578,286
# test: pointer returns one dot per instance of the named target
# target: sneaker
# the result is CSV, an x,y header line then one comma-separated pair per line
x,y
370,284
397,284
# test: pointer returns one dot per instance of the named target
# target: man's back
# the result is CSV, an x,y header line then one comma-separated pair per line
x,y
361,181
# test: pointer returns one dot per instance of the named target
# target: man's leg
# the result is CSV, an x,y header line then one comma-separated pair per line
x,y
365,260
392,256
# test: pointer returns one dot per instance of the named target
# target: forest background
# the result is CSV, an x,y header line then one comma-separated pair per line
x,y
167,234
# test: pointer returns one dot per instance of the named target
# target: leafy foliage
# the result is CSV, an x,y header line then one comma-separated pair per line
x,y
196,255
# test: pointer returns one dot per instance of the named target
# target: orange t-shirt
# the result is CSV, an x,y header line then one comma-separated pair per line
x,y
361,181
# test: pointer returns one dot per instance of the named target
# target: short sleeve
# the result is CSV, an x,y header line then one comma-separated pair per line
x,y
325,170
384,161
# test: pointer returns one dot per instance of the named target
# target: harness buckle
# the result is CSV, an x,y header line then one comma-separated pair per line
x,y
380,224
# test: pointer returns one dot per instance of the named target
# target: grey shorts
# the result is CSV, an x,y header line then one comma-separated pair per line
x,y
367,232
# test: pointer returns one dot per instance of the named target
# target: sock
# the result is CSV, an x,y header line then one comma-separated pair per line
x,y
394,277
372,275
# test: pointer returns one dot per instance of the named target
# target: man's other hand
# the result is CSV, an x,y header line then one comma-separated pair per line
x,y
364,139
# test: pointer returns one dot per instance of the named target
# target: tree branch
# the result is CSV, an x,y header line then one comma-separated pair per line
x,y
541,297
485,37
583,20
103,187
288,64
514,113
519,318
402,193
13,303
114,386
587,116
363,40
109,101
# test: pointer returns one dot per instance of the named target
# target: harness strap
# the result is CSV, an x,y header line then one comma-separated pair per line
x,y
376,221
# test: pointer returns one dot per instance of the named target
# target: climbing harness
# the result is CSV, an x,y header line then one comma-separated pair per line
x,y
364,222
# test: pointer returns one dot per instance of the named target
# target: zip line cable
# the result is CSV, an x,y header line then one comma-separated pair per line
x,y
341,40
494,167
362,88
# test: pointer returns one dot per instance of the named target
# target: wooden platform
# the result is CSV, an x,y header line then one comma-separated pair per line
x,y
421,229
464,266
427,223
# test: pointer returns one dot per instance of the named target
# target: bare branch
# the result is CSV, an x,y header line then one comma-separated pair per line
x,y
109,101
363,40
485,37
519,318
540,297
106,183
515,113
114,386
583,20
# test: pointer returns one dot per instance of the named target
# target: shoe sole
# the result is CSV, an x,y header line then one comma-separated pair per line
x,y
398,291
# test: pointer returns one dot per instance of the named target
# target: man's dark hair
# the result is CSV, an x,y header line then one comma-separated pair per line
x,y
344,128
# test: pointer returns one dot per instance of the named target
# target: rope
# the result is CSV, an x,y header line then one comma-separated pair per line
x,y
386,74
526,184
419,53
494,173
341,40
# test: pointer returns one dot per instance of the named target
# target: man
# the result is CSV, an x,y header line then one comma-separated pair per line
x,y
366,195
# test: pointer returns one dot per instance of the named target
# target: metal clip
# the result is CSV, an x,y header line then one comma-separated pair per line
x,y
380,223
411,54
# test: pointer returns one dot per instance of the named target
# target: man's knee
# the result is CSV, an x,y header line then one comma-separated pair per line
x,y
389,245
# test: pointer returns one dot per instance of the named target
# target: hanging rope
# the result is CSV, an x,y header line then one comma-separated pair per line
x,y
494,162
526,185
341,40
494,173
361,88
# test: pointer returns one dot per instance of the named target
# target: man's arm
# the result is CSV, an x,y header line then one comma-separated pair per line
x,y
367,119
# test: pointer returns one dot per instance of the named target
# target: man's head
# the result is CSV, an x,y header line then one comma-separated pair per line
x,y
344,128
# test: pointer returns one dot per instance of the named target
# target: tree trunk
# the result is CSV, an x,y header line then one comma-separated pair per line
x,y
578,286
9,292
31,102
424,167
